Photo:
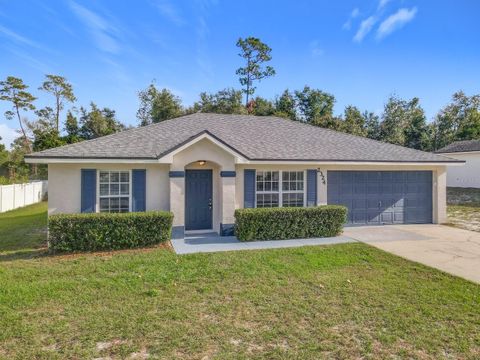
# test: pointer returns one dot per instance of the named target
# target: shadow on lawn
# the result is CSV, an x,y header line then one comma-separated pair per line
x,y
30,254
24,254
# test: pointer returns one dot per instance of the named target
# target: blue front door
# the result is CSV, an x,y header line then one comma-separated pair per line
x,y
198,199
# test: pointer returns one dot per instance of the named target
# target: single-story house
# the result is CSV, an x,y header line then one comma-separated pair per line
x,y
468,175
204,166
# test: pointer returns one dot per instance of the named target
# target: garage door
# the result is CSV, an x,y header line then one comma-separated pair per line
x,y
382,197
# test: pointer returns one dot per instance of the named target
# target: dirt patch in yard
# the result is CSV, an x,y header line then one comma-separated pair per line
x,y
464,208
464,217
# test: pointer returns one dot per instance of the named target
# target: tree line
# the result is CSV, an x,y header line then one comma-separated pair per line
x,y
402,121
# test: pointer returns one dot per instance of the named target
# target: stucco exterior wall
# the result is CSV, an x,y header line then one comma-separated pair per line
x,y
438,179
65,185
467,175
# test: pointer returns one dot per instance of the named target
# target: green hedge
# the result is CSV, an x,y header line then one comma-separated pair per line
x,y
93,232
289,223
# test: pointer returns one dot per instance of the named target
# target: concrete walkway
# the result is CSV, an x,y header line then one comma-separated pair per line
x,y
213,243
455,251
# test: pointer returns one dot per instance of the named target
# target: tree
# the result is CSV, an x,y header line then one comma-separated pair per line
x,y
46,139
404,123
372,125
470,127
3,159
45,134
457,120
226,101
157,106
18,169
394,121
416,130
98,122
285,105
261,107
255,53
354,122
72,129
61,90
14,90
316,107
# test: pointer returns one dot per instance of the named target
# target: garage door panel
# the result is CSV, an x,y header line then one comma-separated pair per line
x,y
359,217
373,203
359,188
386,176
399,202
360,176
398,176
373,217
386,188
373,176
398,218
373,188
346,189
386,217
359,204
382,197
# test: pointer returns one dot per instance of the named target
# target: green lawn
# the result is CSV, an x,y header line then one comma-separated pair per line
x,y
341,301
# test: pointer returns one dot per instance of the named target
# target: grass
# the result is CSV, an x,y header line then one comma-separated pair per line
x,y
23,231
464,208
341,301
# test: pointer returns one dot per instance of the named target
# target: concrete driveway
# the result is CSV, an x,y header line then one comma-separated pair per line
x,y
452,250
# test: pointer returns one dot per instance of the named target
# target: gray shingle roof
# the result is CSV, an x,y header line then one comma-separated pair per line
x,y
257,138
461,146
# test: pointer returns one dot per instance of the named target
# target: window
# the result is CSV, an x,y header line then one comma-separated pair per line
x,y
268,188
292,188
114,191
280,188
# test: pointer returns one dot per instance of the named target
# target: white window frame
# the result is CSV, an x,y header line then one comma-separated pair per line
x,y
129,187
280,186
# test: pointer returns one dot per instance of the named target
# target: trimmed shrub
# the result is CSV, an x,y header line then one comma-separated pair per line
x,y
108,231
289,223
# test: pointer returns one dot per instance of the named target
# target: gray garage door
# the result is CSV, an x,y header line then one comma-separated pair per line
x,y
382,197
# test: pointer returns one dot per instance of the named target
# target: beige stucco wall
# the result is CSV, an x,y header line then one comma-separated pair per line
x,y
467,175
438,179
65,180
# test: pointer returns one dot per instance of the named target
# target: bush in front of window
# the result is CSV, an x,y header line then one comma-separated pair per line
x,y
289,223
108,231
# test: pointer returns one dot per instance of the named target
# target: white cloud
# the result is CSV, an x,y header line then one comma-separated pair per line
x,y
104,34
168,10
8,135
396,21
365,27
19,39
34,63
348,24
315,49
382,4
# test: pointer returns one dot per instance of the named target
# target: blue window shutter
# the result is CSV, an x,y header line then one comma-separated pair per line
x,y
88,190
139,184
248,188
311,187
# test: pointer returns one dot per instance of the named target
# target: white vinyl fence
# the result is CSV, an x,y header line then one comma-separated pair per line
x,y
18,195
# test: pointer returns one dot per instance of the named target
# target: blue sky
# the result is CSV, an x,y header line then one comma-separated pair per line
x,y
361,51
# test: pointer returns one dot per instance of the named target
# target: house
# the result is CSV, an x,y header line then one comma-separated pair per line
x,y
204,166
468,175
